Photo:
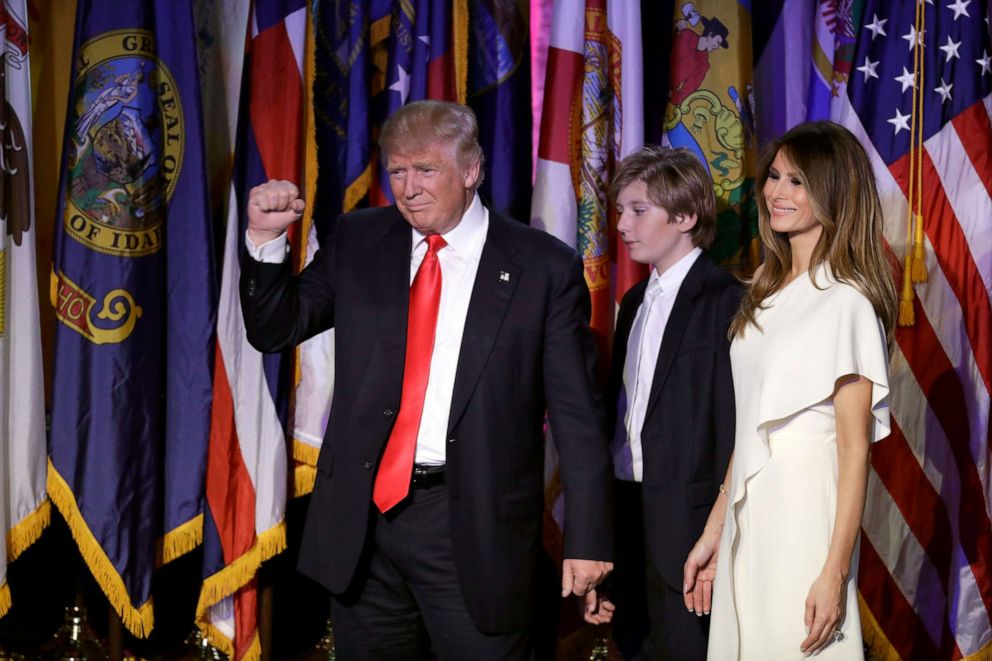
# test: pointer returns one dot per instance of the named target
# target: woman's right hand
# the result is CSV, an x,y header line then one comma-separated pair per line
x,y
699,571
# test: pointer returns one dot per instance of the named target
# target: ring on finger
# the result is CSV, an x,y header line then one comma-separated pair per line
x,y
837,634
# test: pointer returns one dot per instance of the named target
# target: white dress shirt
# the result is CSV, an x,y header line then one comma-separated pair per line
x,y
459,261
642,358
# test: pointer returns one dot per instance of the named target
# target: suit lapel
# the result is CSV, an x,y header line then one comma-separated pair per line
x,y
675,328
495,283
391,284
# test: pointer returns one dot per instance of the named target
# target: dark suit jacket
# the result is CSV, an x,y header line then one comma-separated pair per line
x,y
688,433
526,347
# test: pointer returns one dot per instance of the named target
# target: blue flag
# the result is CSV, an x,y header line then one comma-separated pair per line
x,y
135,294
499,92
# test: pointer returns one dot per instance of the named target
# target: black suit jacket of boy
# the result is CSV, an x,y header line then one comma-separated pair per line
x,y
688,433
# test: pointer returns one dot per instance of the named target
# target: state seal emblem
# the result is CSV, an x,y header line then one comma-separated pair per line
x,y
127,144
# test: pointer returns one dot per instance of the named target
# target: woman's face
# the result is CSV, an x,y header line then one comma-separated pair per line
x,y
789,209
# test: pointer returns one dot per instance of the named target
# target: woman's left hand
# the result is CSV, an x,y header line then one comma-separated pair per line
x,y
824,610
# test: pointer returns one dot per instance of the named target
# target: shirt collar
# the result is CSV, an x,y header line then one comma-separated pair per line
x,y
467,235
673,276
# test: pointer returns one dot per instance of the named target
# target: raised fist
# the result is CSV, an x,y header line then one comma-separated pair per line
x,y
272,207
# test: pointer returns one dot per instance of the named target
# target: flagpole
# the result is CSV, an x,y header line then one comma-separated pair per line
x,y
115,635
265,613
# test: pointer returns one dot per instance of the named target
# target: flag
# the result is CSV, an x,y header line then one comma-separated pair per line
x,y
372,58
246,483
499,93
782,42
426,47
314,374
627,76
830,59
348,69
592,118
133,290
710,112
920,99
540,36
23,504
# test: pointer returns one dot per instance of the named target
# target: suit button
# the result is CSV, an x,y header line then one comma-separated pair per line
x,y
367,466
451,440
251,287
388,413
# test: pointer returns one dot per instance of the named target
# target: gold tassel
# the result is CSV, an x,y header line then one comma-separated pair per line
x,y
906,316
919,256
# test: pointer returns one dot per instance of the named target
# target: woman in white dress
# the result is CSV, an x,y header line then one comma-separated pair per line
x,y
809,358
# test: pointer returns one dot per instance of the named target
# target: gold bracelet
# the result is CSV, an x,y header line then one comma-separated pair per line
x,y
724,491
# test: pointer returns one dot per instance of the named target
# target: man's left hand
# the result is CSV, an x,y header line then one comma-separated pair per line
x,y
580,576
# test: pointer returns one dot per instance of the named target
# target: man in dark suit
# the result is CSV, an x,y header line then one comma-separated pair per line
x,y
455,330
674,413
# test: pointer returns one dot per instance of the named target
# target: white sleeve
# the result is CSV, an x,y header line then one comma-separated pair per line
x,y
270,252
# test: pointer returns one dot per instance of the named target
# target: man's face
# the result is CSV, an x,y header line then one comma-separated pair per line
x,y
432,189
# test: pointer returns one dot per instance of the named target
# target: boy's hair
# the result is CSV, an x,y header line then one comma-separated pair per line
x,y
677,182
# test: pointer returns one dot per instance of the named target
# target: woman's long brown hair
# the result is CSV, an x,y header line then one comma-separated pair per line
x,y
840,185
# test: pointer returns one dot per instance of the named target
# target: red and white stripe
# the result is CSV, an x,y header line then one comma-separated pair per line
x,y
247,463
925,572
553,206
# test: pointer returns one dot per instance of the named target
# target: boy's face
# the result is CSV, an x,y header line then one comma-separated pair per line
x,y
651,235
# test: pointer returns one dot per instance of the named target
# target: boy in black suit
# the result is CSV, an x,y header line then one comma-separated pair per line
x,y
674,400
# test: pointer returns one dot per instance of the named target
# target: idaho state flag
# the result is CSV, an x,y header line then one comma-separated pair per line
x,y
134,291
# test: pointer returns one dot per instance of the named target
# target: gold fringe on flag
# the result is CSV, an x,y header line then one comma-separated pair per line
x,y
304,477
4,598
237,574
254,652
309,170
27,531
216,638
459,16
304,453
984,654
180,540
309,136
233,577
357,189
226,645
302,473
875,639
139,621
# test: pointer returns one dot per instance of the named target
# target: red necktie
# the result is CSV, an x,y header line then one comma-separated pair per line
x,y
392,481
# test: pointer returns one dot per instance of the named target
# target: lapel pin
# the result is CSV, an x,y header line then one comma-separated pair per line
x,y
504,276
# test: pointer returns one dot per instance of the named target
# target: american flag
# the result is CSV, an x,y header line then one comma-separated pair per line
x,y
925,579
246,483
